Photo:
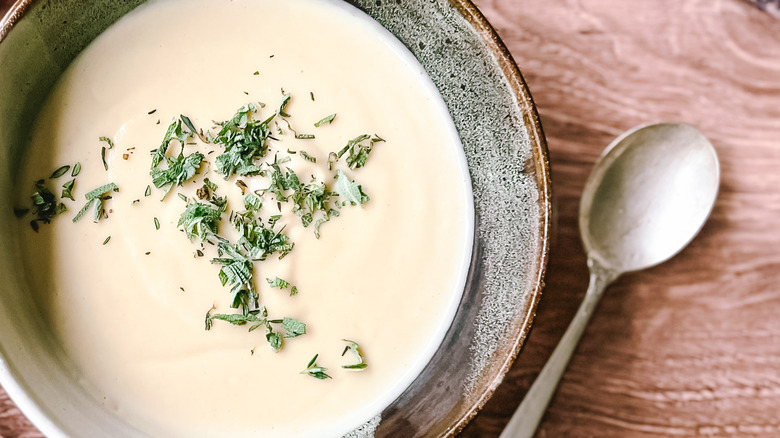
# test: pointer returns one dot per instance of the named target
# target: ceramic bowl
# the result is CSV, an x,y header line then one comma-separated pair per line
x,y
507,158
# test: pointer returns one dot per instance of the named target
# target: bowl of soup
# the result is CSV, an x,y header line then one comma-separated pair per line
x,y
264,218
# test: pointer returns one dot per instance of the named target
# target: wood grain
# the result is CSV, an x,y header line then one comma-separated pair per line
x,y
691,347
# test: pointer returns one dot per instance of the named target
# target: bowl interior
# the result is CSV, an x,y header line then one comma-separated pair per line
x,y
507,159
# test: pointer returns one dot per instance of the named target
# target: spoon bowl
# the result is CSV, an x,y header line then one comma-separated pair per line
x,y
648,195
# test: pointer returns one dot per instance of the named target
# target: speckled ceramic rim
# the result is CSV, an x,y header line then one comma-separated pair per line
x,y
540,172
541,160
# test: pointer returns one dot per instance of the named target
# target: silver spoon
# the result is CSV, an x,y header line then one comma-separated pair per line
x,y
648,195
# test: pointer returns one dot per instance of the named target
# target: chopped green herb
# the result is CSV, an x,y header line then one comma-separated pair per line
x,y
148,191
95,200
237,271
45,205
103,157
235,318
104,149
259,318
273,338
59,172
308,157
278,282
283,105
324,120
252,202
199,220
107,239
293,327
156,224
354,348
67,190
102,190
210,184
76,170
244,141
358,150
314,370
241,185
322,220
109,141
174,132
179,170
187,122
350,191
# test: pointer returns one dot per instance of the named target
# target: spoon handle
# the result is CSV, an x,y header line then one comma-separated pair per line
x,y
526,418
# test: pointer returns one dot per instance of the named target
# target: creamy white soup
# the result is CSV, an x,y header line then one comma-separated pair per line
x,y
127,294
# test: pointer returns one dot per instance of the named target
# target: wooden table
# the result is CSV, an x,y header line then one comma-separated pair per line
x,y
691,347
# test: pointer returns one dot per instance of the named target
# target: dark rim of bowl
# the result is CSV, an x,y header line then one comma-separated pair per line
x,y
542,172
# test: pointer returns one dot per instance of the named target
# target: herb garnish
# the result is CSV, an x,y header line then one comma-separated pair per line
x,y
292,327
179,168
95,199
278,282
351,191
355,349
359,148
314,370
259,318
324,120
200,220
103,150
59,172
67,190
45,205
308,157
244,141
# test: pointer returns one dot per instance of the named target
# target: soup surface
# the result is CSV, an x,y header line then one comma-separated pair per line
x,y
127,294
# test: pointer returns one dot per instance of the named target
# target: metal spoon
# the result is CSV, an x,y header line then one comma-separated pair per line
x,y
648,195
